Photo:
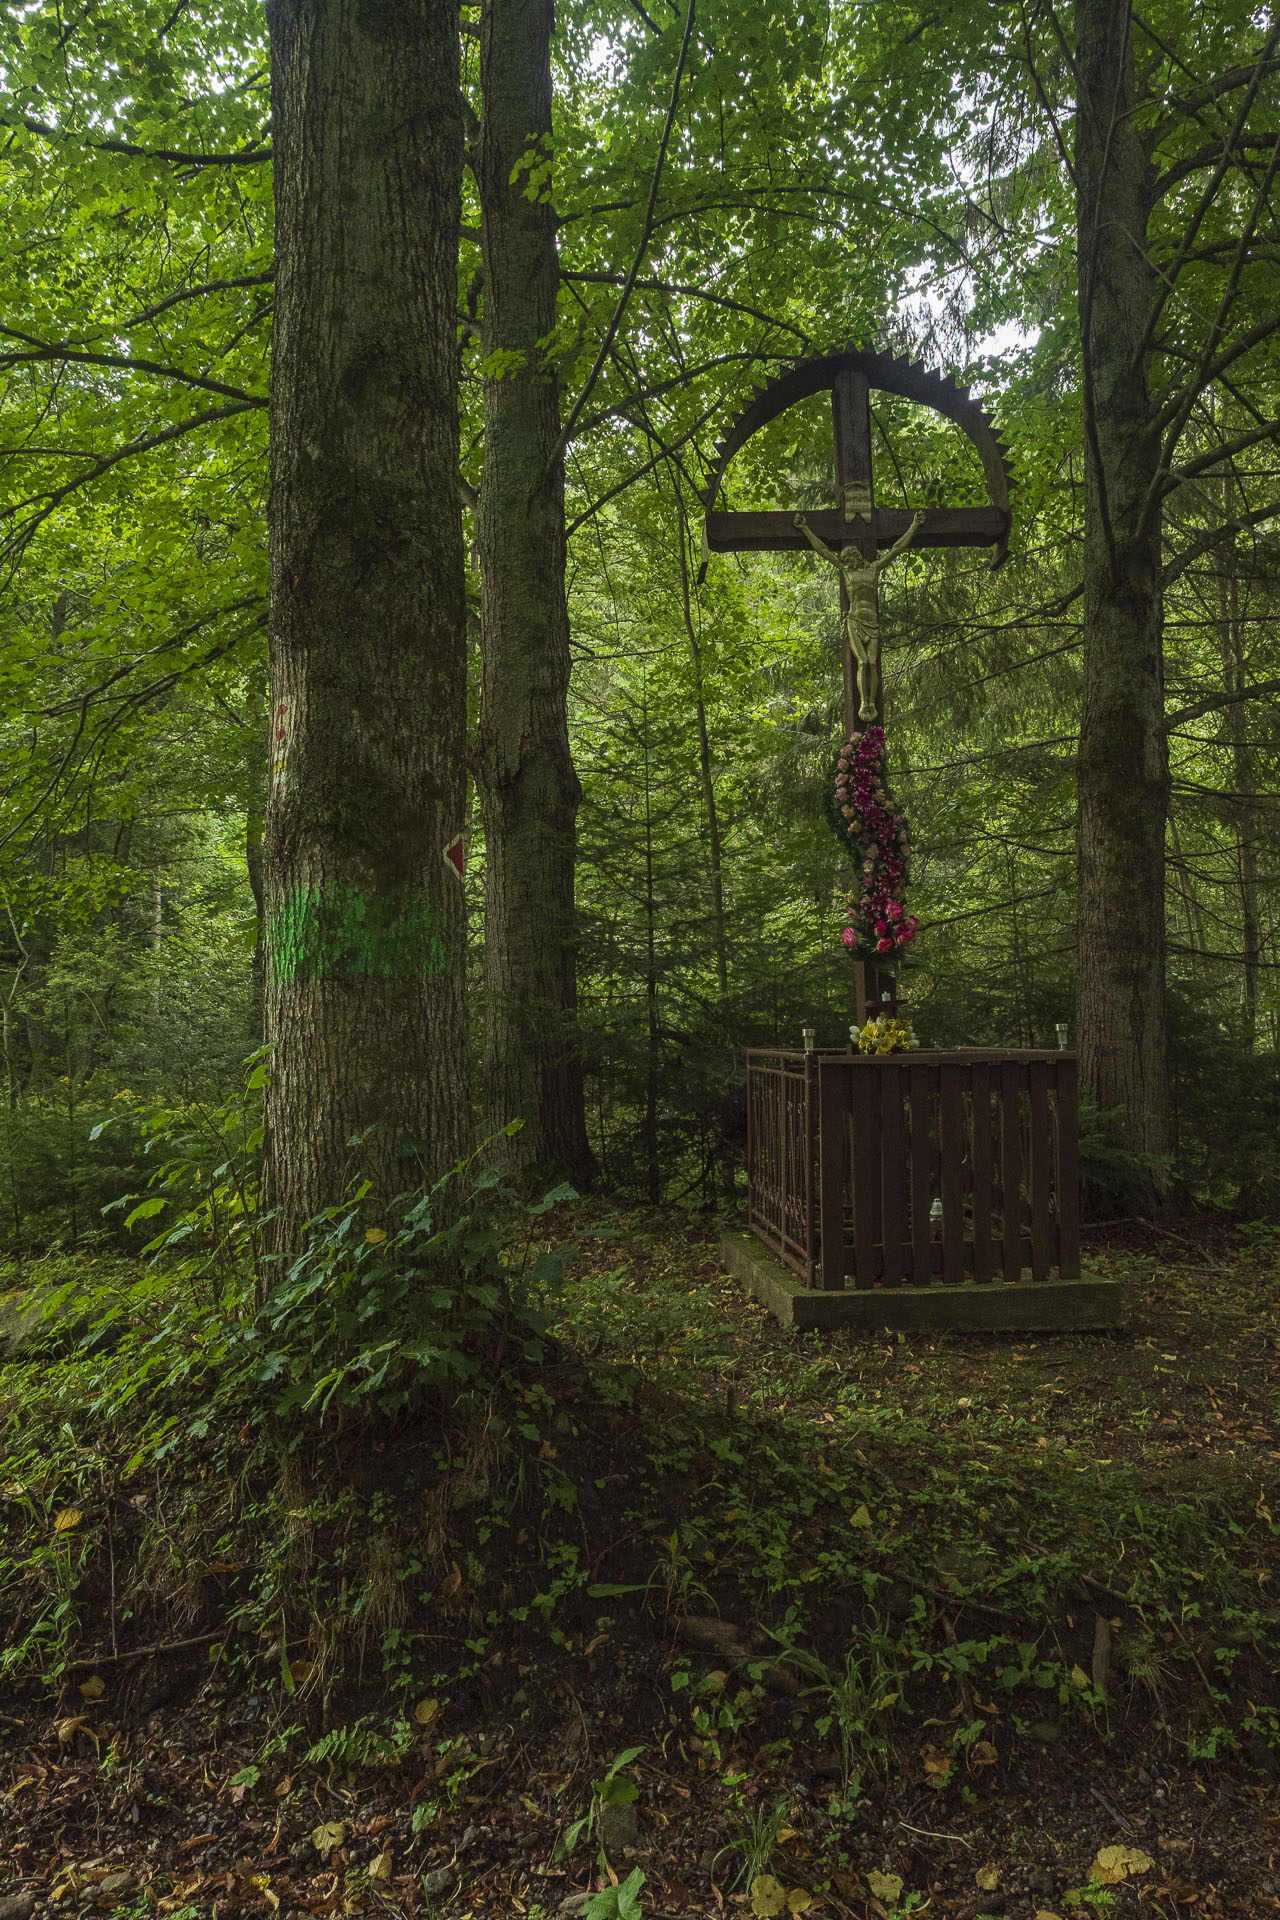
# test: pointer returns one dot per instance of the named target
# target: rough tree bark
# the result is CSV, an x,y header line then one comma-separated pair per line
x,y
529,789
1123,769
365,996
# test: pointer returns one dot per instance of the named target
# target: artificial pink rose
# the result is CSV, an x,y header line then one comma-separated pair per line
x,y
893,910
848,938
884,946
881,927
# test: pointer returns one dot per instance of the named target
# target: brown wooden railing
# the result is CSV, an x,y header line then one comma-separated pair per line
x,y
915,1168
782,1101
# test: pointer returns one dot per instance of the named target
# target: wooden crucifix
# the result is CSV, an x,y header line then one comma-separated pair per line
x,y
856,526
857,536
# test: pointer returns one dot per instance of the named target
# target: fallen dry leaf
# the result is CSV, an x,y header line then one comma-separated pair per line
x,y
93,1688
885,1886
988,1878
68,1518
768,1896
1114,1864
328,1835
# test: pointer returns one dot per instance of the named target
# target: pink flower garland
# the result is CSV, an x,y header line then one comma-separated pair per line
x,y
875,834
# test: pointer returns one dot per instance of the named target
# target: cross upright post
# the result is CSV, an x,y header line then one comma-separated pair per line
x,y
855,505
875,988
857,521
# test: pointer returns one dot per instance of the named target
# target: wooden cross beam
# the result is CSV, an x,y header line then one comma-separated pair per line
x,y
855,520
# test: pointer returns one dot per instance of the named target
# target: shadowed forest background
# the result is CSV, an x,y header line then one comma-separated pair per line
x,y
789,215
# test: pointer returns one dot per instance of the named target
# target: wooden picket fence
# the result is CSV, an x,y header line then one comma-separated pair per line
x,y
915,1169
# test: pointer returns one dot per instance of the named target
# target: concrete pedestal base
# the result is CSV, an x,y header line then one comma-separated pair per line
x,y
1045,1306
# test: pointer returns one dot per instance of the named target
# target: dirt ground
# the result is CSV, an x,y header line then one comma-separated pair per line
x,y
1055,1556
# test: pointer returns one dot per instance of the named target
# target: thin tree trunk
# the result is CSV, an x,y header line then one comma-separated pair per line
x,y
1123,769
530,790
653,1169
1243,811
704,772
365,919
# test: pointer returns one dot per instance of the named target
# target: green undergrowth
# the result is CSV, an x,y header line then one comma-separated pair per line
x,y
928,1546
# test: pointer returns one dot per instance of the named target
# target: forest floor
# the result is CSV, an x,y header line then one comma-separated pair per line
x,y
720,1617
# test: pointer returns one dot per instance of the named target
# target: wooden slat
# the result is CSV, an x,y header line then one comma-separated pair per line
x,y
980,1084
810,1170
1012,1080
832,1100
1043,1249
774,532
951,1145
865,1149
924,1082
882,1177
1068,1181
894,1226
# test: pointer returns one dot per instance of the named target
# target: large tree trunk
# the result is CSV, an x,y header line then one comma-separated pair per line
x,y
530,791
365,1001
1123,767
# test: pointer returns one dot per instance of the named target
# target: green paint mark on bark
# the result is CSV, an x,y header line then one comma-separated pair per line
x,y
333,932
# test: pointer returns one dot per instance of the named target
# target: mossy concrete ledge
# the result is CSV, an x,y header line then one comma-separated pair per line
x,y
1026,1306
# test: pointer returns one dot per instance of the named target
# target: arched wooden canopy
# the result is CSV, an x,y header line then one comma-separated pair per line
x,y
851,378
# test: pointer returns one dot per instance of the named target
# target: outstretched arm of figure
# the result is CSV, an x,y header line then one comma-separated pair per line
x,y
820,547
900,546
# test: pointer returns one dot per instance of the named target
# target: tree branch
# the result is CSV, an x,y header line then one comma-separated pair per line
x,y
690,293
589,513
1208,157
1242,523
122,362
255,159
1172,478
646,235
183,293
1212,702
87,698
103,463
682,379
1234,142
1193,104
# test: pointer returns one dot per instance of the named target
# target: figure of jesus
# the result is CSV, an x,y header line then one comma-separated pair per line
x,y
862,617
